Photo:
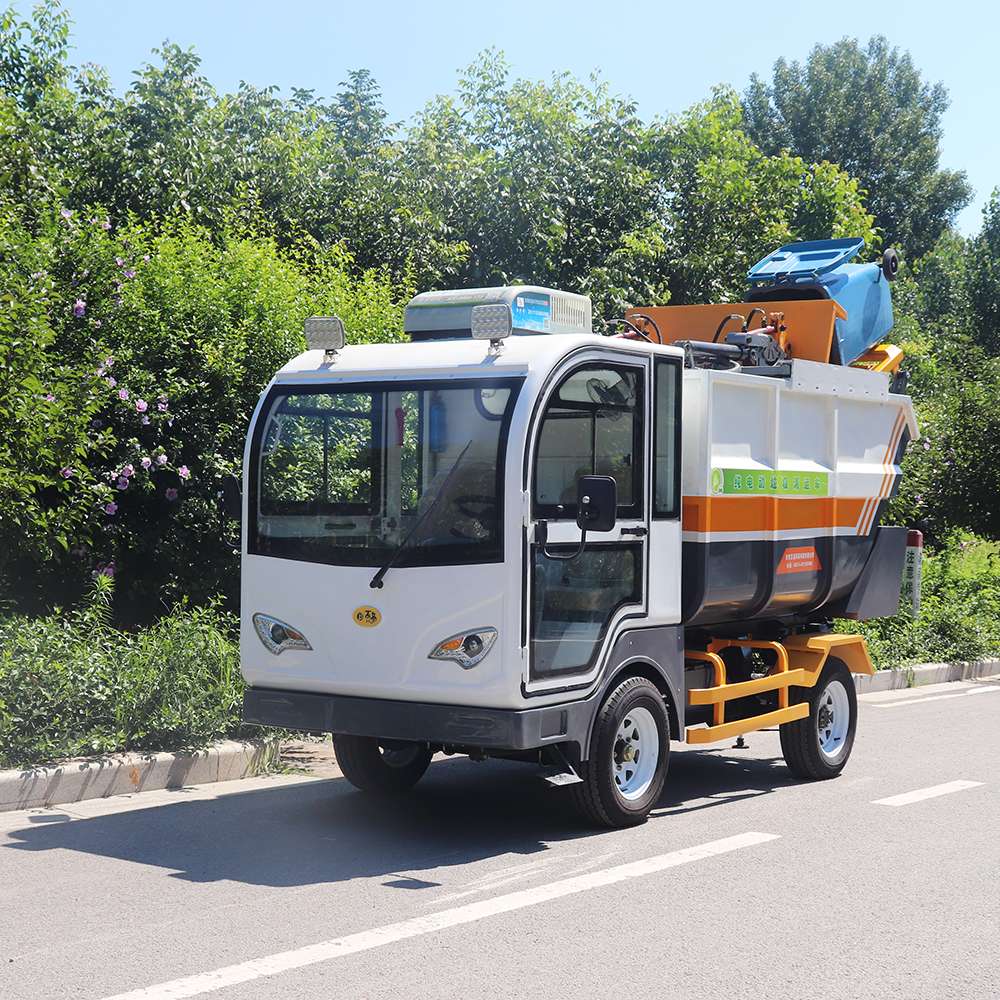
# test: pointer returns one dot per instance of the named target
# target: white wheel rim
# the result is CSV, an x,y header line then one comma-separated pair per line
x,y
635,753
833,718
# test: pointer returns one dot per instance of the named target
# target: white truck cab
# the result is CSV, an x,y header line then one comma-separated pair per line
x,y
473,542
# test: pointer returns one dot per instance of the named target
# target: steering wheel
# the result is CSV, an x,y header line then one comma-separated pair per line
x,y
476,506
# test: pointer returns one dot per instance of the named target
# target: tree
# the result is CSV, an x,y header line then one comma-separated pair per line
x,y
870,111
725,203
983,276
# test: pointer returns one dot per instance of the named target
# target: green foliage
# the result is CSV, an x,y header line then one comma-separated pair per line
x,y
983,280
868,110
728,204
171,239
72,685
132,361
959,612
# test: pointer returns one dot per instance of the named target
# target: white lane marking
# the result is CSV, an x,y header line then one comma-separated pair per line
x,y
935,697
926,793
272,965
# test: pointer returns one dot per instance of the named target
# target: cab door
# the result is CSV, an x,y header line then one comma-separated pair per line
x,y
594,421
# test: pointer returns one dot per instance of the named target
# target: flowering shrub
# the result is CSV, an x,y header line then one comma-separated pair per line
x,y
72,685
130,363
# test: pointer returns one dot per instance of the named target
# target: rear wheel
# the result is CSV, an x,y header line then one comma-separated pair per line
x,y
386,767
629,751
819,745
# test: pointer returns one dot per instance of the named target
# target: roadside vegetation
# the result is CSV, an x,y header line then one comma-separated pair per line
x,y
71,684
160,248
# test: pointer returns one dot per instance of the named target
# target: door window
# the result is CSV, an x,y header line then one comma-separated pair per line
x,y
591,426
667,439
573,601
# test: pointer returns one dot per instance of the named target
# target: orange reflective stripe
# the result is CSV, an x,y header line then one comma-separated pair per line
x,y
721,513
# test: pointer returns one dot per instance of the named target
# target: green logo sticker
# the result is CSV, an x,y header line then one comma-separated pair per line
x,y
749,482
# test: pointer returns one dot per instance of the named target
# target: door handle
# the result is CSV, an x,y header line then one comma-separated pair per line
x,y
638,532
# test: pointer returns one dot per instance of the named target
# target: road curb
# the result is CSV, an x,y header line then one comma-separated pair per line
x,y
925,673
76,780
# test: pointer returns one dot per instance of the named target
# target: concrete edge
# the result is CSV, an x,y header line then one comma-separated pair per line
x,y
76,780
925,673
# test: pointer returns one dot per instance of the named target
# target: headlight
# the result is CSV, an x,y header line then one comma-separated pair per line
x,y
465,648
278,635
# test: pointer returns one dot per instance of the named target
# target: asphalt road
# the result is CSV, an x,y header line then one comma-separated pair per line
x,y
482,883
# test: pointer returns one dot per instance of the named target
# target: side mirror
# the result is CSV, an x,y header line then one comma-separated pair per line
x,y
231,497
596,503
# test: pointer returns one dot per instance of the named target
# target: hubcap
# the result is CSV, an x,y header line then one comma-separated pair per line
x,y
635,753
833,718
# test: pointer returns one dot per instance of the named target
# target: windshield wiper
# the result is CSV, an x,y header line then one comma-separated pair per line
x,y
376,580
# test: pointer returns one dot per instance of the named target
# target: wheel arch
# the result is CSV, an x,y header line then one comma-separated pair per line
x,y
638,666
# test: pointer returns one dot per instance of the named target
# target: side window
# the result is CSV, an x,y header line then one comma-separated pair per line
x,y
591,426
667,439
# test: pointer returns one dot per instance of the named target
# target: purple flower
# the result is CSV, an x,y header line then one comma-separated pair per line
x,y
119,261
49,398
79,308
927,445
105,225
129,272
122,483
171,493
108,362
112,381
141,405
146,462
97,323
123,394
162,407
128,471
145,256
99,370
145,421
111,508
184,472
161,459
67,472
66,213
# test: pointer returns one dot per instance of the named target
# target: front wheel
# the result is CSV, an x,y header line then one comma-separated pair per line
x,y
385,768
819,745
629,749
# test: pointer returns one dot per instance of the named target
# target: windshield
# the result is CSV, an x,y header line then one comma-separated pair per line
x,y
343,474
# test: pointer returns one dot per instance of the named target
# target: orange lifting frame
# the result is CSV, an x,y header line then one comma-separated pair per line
x,y
798,661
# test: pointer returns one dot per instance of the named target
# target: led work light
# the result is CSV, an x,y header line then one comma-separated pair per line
x,y
325,333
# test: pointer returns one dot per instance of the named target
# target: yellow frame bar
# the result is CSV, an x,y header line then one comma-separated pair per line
x,y
799,660
741,726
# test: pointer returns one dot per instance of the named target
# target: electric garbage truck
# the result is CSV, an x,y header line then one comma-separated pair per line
x,y
513,537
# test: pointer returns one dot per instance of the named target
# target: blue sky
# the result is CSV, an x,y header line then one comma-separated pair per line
x,y
664,55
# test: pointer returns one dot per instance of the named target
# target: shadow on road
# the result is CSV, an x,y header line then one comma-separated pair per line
x,y
326,832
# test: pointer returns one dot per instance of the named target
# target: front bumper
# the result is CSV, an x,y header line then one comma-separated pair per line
x,y
446,725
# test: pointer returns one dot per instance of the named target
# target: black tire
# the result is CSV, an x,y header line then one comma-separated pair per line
x,y
890,264
598,796
384,768
800,740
